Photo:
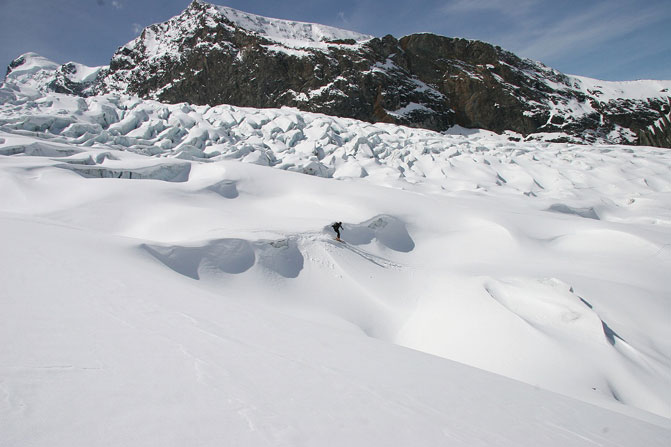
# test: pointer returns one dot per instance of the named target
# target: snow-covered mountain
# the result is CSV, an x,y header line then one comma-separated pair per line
x,y
216,55
287,33
169,277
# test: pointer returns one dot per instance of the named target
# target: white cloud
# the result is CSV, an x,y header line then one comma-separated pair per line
x,y
117,4
570,35
585,31
137,28
535,29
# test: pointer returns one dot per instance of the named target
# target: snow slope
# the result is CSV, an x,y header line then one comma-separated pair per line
x,y
613,90
287,32
162,284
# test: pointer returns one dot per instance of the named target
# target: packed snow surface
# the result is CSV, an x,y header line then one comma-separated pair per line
x,y
170,278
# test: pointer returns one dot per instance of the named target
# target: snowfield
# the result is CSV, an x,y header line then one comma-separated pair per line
x,y
170,278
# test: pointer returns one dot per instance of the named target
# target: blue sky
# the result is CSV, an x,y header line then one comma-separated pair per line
x,y
604,39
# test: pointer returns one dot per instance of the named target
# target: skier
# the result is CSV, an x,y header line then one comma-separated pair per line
x,y
337,227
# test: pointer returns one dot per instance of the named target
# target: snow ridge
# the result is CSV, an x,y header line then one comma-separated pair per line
x,y
287,32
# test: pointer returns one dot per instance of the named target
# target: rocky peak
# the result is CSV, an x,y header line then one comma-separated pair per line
x,y
286,32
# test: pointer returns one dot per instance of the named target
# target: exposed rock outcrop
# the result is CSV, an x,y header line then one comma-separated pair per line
x,y
659,133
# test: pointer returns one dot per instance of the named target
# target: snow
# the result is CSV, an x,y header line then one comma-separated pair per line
x,y
84,73
613,90
287,32
379,67
409,109
170,277
32,63
289,51
31,75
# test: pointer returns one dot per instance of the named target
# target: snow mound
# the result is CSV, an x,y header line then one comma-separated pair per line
x,y
169,172
388,231
29,64
225,188
550,307
231,256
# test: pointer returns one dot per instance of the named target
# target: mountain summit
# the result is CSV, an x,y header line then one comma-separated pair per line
x,y
217,55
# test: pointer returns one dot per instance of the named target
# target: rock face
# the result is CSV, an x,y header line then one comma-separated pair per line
x,y
216,55
659,133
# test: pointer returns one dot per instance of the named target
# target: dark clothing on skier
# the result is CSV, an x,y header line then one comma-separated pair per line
x,y
336,227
